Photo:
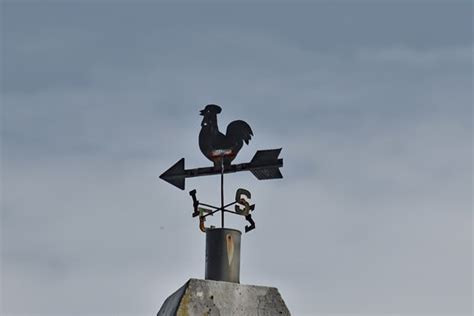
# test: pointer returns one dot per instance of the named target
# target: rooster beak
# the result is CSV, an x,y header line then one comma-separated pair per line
x,y
201,112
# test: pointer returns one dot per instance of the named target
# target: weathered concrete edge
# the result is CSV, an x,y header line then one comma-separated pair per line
x,y
171,304
174,302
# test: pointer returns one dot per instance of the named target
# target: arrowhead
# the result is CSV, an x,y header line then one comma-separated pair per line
x,y
175,175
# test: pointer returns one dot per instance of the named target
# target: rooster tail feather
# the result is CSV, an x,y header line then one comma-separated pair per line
x,y
239,131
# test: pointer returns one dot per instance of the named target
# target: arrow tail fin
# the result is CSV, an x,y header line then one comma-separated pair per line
x,y
266,156
266,174
265,164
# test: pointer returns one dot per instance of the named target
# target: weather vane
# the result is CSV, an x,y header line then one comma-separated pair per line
x,y
223,244
222,149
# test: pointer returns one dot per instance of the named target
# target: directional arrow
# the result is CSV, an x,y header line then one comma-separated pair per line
x,y
264,165
176,174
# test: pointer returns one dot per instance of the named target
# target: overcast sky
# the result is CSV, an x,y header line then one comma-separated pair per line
x,y
371,102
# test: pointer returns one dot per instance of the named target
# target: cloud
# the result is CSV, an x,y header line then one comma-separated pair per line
x,y
412,57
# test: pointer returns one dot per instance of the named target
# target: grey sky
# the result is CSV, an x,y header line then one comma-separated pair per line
x,y
371,102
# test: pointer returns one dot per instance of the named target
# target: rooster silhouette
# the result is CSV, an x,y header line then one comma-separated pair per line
x,y
217,146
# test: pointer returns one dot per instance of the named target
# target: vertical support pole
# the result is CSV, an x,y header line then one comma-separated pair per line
x,y
222,191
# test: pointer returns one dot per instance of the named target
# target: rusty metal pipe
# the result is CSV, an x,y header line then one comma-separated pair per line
x,y
223,254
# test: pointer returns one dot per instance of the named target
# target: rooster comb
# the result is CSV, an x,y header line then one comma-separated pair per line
x,y
213,108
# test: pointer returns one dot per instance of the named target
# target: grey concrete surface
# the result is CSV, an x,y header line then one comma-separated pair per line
x,y
212,298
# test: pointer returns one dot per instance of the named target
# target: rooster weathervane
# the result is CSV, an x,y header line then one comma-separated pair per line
x,y
222,149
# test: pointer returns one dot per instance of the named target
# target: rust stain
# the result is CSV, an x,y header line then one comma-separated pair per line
x,y
230,248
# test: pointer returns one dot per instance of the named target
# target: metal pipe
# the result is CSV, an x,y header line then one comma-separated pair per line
x,y
223,254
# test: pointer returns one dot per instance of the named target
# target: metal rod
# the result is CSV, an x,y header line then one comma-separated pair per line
x,y
222,191
209,171
217,208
